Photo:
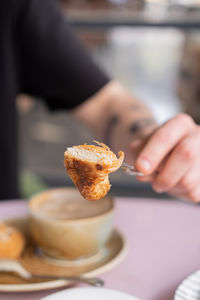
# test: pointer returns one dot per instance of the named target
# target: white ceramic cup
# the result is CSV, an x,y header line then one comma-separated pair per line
x,y
66,226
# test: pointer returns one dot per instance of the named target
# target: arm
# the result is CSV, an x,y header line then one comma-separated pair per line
x,y
56,67
116,118
168,155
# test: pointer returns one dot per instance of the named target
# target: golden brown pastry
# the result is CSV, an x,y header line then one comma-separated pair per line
x,y
12,242
89,166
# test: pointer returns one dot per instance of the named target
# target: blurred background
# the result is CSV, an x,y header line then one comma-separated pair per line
x,y
152,47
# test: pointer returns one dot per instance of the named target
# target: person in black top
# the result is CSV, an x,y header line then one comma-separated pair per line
x,y
40,56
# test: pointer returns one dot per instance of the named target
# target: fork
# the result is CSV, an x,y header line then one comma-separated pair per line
x,y
130,170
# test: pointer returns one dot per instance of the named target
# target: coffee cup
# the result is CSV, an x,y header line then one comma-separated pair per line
x,y
64,225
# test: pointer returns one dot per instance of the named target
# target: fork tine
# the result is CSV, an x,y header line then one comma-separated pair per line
x,y
130,170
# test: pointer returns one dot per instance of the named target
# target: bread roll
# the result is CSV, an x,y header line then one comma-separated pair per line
x,y
12,242
89,166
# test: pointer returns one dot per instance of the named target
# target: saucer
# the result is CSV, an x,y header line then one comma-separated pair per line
x,y
189,289
111,255
89,294
68,263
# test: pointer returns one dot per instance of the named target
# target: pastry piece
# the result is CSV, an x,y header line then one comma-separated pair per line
x,y
12,242
89,166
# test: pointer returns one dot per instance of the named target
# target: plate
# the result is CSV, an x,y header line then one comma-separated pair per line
x,y
111,255
89,294
189,289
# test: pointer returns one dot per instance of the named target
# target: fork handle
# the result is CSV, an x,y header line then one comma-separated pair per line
x,y
94,281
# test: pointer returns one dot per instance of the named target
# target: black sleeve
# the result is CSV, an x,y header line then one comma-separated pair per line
x,y
53,64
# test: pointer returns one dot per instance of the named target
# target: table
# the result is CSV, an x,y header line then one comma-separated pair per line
x,y
164,246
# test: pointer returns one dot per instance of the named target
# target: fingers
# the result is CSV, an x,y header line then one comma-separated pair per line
x,y
178,163
171,159
193,196
147,178
162,143
188,187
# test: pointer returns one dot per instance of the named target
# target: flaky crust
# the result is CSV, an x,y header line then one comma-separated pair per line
x,y
91,178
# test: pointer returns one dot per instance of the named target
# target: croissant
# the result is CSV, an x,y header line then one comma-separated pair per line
x,y
12,242
89,166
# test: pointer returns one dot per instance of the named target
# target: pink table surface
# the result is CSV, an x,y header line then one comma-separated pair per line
x,y
164,247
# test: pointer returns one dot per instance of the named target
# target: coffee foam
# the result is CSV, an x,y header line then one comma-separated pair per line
x,y
67,204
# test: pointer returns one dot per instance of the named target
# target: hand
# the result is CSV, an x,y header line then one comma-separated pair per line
x,y
170,159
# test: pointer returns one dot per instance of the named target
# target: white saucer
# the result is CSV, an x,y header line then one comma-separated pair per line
x,y
189,289
89,294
